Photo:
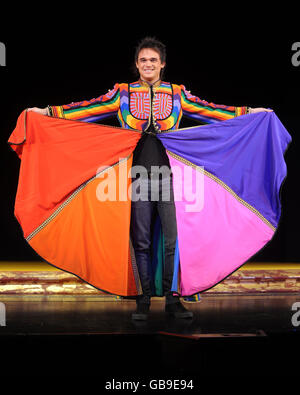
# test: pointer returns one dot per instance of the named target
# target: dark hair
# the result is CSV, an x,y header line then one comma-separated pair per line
x,y
151,43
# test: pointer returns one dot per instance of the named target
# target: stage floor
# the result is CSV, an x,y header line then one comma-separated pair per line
x,y
93,315
229,334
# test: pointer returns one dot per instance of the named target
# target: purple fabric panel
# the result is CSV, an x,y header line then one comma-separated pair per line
x,y
246,153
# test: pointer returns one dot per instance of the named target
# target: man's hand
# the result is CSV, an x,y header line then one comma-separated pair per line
x,y
258,109
42,111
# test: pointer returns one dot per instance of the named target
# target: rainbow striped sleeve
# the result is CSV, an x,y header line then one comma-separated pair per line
x,y
201,110
90,110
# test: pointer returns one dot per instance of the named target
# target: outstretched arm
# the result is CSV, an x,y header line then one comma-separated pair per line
x,y
87,110
201,110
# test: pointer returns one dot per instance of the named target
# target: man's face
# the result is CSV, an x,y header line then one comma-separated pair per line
x,y
149,65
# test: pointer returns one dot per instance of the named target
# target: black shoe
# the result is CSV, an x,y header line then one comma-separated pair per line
x,y
177,310
141,313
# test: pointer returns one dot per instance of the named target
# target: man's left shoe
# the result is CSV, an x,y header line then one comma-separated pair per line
x,y
177,310
142,310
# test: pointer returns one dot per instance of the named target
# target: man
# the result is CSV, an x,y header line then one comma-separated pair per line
x,y
150,105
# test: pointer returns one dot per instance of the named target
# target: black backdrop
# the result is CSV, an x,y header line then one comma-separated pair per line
x,y
242,59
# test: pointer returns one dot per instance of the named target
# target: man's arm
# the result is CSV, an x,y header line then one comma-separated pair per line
x,y
201,110
87,110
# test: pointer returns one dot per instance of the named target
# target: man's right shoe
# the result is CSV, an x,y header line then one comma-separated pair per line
x,y
177,310
141,313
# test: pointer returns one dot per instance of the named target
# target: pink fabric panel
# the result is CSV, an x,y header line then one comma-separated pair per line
x,y
218,238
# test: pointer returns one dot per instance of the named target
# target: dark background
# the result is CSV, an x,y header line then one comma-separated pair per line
x,y
244,58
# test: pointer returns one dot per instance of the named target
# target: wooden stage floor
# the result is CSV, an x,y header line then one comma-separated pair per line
x,y
52,324
229,336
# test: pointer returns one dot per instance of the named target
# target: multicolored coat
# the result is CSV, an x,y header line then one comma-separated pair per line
x,y
133,105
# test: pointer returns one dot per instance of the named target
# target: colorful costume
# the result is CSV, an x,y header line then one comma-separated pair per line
x,y
235,213
131,104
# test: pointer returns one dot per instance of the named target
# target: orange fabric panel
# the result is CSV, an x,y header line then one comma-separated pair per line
x,y
57,156
90,238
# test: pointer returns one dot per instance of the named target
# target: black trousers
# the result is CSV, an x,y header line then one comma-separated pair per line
x,y
153,194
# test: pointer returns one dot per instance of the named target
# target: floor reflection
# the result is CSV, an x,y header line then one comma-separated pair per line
x,y
214,314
